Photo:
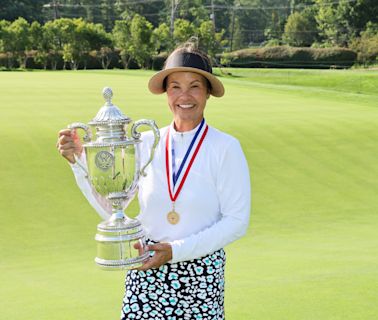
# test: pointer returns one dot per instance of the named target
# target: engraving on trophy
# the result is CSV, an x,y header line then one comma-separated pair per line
x,y
104,160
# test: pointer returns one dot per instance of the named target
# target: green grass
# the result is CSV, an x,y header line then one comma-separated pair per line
x,y
346,81
310,138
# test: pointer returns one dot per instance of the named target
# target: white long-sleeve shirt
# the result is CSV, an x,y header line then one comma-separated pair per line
x,y
214,203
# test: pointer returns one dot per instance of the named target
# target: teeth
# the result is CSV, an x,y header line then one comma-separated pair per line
x,y
186,106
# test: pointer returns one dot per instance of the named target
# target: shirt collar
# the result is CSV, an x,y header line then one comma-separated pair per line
x,y
189,133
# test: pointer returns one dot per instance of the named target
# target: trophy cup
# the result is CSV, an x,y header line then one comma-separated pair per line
x,y
113,169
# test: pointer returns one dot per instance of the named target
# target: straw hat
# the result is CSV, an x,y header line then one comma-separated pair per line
x,y
186,61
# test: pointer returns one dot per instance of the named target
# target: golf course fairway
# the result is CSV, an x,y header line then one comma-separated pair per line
x,y
311,141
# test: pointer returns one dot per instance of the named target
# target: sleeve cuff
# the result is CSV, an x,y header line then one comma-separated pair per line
x,y
176,250
76,168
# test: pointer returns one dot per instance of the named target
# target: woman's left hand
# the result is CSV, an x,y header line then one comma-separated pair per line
x,y
163,254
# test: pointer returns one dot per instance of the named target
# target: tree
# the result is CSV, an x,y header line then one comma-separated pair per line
x,y
342,21
122,40
162,39
101,45
364,11
6,41
155,11
63,38
134,40
104,55
91,37
333,22
30,10
248,26
72,40
141,47
367,44
222,15
20,40
300,30
236,35
39,44
83,38
209,40
54,33
107,13
193,11
183,30
273,31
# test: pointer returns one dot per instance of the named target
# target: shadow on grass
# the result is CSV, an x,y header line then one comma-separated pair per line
x,y
17,69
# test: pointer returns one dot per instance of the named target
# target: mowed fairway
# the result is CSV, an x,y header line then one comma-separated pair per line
x,y
311,140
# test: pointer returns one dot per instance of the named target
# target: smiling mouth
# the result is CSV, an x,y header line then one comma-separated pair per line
x,y
185,106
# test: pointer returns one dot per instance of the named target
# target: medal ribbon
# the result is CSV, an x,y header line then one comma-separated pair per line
x,y
174,196
174,175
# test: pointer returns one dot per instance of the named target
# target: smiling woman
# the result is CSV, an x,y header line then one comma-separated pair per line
x,y
194,200
187,94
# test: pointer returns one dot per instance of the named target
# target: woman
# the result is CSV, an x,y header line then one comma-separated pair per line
x,y
194,200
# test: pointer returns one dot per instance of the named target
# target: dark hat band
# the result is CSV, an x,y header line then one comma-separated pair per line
x,y
188,59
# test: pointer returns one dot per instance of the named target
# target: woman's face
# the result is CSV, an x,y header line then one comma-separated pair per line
x,y
187,95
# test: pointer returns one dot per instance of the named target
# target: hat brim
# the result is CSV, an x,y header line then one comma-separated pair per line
x,y
155,85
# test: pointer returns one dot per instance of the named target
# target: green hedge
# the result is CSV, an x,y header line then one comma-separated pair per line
x,y
158,61
289,57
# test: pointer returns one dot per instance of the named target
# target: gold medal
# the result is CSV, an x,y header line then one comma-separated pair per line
x,y
173,217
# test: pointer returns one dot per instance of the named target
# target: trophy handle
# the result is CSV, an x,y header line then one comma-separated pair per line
x,y
87,138
136,135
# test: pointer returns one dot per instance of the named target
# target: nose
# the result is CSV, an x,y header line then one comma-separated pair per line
x,y
185,92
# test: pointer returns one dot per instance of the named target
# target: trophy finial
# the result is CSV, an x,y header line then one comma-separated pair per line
x,y
108,117
107,93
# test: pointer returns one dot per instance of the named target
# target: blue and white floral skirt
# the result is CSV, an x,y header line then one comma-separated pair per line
x,y
185,290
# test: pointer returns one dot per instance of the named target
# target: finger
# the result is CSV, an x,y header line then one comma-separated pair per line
x,y
140,247
143,267
64,139
65,132
149,264
67,146
155,247
68,155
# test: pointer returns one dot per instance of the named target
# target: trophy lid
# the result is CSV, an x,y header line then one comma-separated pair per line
x,y
109,113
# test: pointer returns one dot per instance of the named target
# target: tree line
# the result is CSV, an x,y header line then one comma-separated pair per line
x,y
76,30
76,41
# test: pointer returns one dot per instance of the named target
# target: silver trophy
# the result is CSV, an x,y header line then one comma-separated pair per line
x,y
113,169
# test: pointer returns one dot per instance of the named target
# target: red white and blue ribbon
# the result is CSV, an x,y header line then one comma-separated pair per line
x,y
176,180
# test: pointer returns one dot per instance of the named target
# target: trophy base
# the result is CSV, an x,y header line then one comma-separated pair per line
x,y
128,264
120,243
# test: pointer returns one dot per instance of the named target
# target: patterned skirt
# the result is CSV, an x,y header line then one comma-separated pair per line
x,y
185,290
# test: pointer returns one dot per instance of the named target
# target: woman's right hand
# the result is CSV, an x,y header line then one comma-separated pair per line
x,y
69,144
